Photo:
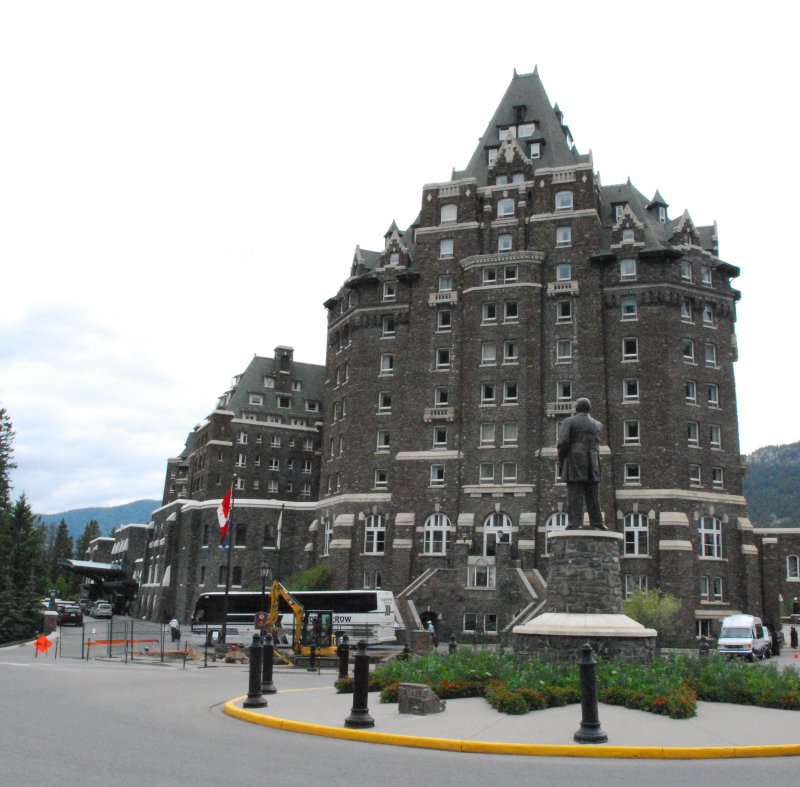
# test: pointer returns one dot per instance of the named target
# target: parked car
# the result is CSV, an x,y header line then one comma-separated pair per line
x,y
101,609
70,615
746,636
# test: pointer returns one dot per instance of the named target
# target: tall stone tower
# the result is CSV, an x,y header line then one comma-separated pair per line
x,y
455,351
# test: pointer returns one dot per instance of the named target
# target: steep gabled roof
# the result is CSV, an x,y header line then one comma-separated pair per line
x,y
525,91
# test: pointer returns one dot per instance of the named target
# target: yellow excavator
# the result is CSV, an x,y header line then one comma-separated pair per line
x,y
309,627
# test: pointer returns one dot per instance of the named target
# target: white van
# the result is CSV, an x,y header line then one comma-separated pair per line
x,y
746,636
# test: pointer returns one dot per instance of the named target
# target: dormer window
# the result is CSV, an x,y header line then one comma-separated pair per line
x,y
509,132
526,130
618,211
628,236
662,214
394,258
449,213
535,150
491,155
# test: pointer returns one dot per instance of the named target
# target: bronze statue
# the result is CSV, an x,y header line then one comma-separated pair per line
x,y
579,454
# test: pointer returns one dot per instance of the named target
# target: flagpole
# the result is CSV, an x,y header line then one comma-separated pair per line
x,y
278,544
228,570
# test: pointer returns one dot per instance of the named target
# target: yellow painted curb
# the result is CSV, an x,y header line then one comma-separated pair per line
x,y
523,749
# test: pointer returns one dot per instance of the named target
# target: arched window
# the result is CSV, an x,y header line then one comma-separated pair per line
x,y
435,534
374,534
710,537
793,567
555,524
636,536
236,577
496,530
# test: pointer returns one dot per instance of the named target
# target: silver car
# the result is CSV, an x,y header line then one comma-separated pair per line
x,y
102,609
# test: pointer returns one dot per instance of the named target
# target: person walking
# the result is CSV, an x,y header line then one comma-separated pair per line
x,y
175,630
793,637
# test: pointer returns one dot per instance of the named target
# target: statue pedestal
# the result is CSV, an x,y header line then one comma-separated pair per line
x,y
584,604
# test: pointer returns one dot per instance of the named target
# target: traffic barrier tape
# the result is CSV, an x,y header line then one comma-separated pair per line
x,y
91,643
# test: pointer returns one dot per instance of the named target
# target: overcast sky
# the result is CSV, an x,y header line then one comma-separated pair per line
x,y
182,185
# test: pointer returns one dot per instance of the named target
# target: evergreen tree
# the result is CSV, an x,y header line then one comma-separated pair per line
x,y
22,573
61,549
90,532
6,461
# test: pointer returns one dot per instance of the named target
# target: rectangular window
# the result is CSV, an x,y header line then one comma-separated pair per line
x,y
713,395
486,473
564,390
444,320
442,358
381,479
693,433
632,474
274,463
510,434
715,436
440,437
511,311
691,392
563,236
535,150
526,130
394,258
488,312
490,275
382,442
686,270
563,200
628,236
384,402
504,242
708,316
511,273
256,399
488,353
631,433
564,272
686,311
705,276
241,460
505,207
437,475
387,326
481,575
487,432
627,269
387,363
449,213
445,283
272,486
510,351
630,349
563,311
446,248
628,307
441,396
487,393
695,476
389,291
510,392
711,354
688,350
241,438
717,477
269,382
564,351
490,623
509,472
470,622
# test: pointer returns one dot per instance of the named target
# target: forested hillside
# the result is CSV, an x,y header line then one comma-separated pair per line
x,y
137,512
772,486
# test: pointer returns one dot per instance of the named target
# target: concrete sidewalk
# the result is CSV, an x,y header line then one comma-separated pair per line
x,y
718,730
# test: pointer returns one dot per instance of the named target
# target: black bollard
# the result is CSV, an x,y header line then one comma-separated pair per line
x,y
312,661
589,731
267,686
452,645
343,651
255,699
359,715
404,656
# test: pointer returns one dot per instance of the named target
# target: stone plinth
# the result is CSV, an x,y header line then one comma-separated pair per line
x,y
584,603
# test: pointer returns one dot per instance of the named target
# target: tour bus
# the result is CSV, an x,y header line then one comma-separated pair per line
x,y
370,615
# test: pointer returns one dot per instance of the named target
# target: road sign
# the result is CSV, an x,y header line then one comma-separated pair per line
x,y
261,620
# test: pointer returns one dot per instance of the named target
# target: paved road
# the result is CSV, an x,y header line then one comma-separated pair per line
x,y
76,723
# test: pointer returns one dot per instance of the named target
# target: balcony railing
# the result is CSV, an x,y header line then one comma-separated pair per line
x,y
435,298
439,414
562,287
554,409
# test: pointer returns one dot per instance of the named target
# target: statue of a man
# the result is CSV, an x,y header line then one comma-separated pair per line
x,y
579,454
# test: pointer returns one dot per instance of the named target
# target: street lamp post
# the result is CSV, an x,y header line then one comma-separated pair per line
x,y
267,686
266,578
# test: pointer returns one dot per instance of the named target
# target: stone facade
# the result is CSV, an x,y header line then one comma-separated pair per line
x,y
454,352
264,438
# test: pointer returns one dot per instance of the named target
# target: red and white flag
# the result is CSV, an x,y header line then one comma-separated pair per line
x,y
224,516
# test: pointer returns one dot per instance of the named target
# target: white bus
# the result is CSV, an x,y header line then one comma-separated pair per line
x,y
370,615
